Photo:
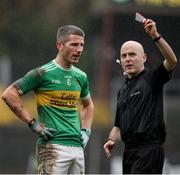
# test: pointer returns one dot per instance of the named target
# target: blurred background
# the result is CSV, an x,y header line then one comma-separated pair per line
x,y
27,40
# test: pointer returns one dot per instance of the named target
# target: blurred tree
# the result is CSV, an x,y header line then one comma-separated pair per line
x,y
28,29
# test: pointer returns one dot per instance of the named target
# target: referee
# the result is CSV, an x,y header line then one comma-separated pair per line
x,y
139,119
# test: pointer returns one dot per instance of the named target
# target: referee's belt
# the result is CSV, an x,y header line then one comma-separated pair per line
x,y
144,144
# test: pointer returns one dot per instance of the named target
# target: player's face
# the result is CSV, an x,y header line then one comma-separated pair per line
x,y
132,58
71,50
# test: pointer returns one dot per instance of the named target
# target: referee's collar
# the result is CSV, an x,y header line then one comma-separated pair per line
x,y
135,77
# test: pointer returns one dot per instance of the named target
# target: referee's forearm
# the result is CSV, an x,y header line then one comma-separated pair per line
x,y
115,134
168,53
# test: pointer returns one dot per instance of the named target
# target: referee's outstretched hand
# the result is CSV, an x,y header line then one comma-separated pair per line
x,y
108,146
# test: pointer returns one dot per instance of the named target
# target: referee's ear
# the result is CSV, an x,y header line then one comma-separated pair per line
x,y
145,57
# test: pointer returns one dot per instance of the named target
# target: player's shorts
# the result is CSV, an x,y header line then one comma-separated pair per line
x,y
143,159
59,159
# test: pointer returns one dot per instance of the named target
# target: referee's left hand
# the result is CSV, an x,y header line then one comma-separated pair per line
x,y
150,28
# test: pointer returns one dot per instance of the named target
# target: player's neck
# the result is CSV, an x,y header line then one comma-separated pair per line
x,y
62,63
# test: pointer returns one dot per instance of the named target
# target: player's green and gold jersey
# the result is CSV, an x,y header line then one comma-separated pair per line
x,y
58,92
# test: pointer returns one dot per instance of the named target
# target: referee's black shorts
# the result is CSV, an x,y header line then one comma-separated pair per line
x,y
143,159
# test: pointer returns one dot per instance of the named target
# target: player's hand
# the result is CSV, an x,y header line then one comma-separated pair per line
x,y
40,129
108,146
85,134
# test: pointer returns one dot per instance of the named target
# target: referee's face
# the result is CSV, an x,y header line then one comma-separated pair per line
x,y
132,58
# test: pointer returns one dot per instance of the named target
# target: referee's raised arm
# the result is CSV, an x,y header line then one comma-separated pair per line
x,y
165,49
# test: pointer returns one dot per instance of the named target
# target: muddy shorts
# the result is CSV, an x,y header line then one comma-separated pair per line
x,y
59,159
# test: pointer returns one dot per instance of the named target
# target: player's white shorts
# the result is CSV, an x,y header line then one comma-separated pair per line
x,y
59,159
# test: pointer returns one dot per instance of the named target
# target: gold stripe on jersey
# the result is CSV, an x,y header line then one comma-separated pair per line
x,y
60,99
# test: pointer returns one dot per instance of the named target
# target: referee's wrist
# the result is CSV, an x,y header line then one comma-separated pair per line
x,y
156,39
109,139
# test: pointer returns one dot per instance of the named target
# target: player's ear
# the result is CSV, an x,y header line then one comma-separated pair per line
x,y
59,45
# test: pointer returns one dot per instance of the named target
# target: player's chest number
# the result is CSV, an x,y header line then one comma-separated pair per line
x,y
68,82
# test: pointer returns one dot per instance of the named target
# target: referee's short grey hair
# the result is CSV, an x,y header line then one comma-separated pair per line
x,y
65,31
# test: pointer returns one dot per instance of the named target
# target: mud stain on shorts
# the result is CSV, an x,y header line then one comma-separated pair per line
x,y
46,158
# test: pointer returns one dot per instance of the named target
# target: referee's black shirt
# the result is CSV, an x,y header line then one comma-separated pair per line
x,y
139,113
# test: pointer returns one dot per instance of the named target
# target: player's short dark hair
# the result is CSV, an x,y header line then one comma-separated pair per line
x,y
65,31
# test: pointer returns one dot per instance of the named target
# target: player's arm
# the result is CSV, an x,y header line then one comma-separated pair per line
x,y
86,117
114,136
12,98
12,95
87,113
165,49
